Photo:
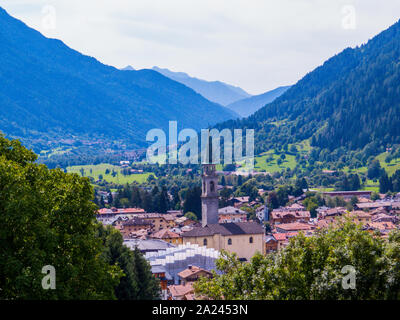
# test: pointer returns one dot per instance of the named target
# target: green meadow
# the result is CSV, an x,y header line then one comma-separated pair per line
x,y
95,171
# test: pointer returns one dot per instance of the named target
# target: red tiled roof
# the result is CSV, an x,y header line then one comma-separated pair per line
x,y
191,271
295,214
180,290
293,226
284,236
165,234
121,211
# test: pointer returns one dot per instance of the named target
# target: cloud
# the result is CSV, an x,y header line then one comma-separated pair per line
x,y
256,44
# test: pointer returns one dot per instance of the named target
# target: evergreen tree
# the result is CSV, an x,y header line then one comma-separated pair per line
x,y
149,286
385,184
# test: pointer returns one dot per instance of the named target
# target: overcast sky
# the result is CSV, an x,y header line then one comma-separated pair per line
x,y
255,44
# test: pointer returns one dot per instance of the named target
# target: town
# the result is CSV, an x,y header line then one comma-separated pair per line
x,y
180,250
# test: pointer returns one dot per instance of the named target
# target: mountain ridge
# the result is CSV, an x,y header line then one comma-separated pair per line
x,y
51,92
248,106
215,91
350,102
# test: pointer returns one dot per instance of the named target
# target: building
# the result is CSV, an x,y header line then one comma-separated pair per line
x,y
177,259
149,245
387,205
283,216
359,216
165,279
242,238
232,214
158,220
192,274
348,194
127,227
114,212
168,236
240,201
292,227
331,214
181,292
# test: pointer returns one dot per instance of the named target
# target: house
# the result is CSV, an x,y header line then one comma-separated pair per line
x,y
295,207
282,239
331,214
127,227
271,244
292,227
348,194
167,236
280,216
159,221
232,214
192,274
359,216
105,212
382,217
374,205
165,279
382,227
240,201
180,292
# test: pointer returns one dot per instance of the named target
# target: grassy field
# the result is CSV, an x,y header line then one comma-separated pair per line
x,y
268,161
56,151
95,170
389,167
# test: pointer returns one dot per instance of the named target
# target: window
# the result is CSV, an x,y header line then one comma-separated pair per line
x,y
229,241
212,187
251,240
205,242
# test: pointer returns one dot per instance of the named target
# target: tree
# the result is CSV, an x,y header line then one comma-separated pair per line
x,y
149,286
191,216
374,170
385,185
133,266
192,202
273,201
48,218
311,206
311,268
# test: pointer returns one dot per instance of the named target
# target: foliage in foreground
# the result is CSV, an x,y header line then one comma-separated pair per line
x,y
310,268
47,218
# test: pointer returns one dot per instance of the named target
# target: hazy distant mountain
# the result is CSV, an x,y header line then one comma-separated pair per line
x,y
351,102
50,92
128,68
248,106
215,91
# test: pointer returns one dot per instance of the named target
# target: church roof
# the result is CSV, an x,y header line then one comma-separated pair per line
x,y
225,229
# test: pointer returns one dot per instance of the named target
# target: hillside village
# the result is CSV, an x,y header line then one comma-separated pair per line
x,y
180,250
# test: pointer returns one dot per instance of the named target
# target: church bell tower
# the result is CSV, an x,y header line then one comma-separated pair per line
x,y
209,196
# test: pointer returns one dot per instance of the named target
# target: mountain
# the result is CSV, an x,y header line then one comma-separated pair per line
x,y
215,91
128,68
248,106
50,93
351,102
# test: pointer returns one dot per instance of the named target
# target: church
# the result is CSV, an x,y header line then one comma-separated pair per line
x,y
242,238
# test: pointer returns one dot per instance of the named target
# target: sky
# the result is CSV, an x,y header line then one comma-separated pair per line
x,y
255,44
